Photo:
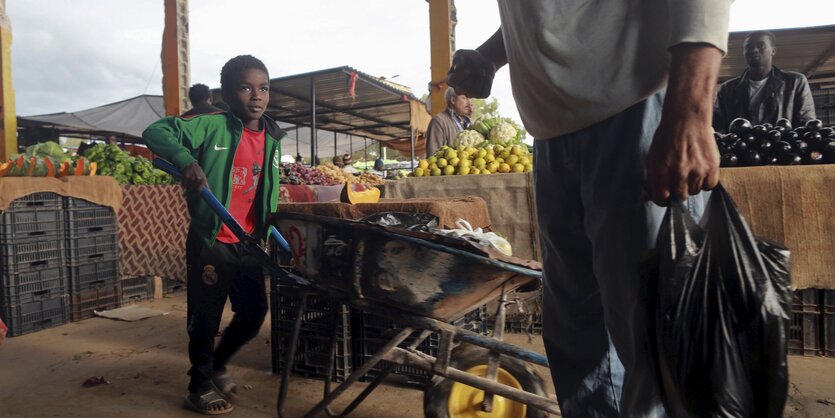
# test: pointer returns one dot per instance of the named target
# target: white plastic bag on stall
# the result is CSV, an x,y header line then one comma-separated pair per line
x,y
465,230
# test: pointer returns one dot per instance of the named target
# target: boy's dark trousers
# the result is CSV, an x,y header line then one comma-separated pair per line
x,y
213,274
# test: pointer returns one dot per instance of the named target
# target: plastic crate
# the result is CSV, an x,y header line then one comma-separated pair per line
x,y
80,222
170,286
31,286
526,318
35,316
92,275
137,288
76,203
804,331
828,322
90,247
46,252
18,225
39,200
311,358
82,304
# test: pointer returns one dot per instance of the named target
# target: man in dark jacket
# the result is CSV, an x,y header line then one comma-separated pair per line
x,y
763,93
201,101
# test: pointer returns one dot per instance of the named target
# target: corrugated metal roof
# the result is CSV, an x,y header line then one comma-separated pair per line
x,y
809,50
347,102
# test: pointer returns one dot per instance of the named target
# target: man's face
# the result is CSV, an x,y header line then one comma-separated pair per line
x,y
248,98
461,105
759,51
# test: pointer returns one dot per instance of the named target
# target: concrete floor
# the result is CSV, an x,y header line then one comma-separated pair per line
x,y
41,374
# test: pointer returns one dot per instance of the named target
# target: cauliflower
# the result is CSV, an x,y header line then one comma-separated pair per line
x,y
503,133
469,138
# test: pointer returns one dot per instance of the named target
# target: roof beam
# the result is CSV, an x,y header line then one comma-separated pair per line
x,y
337,109
809,71
368,106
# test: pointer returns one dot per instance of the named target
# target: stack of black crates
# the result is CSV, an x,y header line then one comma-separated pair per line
x,y
33,276
359,336
92,258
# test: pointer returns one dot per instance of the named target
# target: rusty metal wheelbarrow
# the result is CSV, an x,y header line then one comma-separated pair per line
x,y
422,281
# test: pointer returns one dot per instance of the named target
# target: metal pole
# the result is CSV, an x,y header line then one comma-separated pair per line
x,y
335,152
297,139
412,148
351,143
365,147
313,147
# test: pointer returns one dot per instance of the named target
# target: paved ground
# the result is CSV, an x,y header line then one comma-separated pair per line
x,y
41,374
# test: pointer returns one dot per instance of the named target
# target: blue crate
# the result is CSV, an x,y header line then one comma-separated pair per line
x,y
35,316
25,287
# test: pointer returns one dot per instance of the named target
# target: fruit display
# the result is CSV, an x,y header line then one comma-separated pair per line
x,y
326,174
490,159
748,145
298,173
113,161
46,159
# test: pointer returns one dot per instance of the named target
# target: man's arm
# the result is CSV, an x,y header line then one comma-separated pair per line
x,y
804,103
683,158
473,70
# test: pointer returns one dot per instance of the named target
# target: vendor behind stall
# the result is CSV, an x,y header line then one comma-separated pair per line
x,y
763,93
445,126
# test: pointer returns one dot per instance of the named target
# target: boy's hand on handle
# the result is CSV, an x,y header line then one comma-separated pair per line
x,y
471,74
194,179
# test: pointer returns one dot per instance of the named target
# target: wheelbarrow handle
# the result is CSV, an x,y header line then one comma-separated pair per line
x,y
219,209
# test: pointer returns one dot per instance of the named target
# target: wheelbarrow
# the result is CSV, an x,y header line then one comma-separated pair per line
x,y
422,281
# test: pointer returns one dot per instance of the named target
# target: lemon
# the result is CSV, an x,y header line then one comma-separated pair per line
x,y
465,163
482,153
504,154
489,158
479,162
442,163
528,168
464,155
450,154
512,159
436,171
493,167
423,164
504,168
419,172
463,170
475,170
432,166
518,168
454,161
525,160
516,150
449,170
498,148
431,160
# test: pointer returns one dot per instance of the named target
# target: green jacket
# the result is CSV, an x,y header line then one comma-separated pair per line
x,y
211,140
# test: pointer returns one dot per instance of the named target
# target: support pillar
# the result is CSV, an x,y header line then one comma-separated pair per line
x,y
8,115
175,58
442,21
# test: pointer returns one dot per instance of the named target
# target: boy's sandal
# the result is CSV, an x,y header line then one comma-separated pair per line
x,y
209,403
226,385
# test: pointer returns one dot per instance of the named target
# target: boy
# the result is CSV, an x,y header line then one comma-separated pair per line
x,y
236,154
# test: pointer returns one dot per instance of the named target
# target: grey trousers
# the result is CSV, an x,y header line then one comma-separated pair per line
x,y
595,229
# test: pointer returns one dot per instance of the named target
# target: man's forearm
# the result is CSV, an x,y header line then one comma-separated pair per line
x,y
493,50
694,71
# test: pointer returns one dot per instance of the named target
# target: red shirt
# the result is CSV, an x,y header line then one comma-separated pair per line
x,y
246,172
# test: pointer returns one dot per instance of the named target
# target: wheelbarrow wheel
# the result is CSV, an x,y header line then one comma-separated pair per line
x,y
445,398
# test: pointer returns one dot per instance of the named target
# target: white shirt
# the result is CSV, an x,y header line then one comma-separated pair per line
x,y
577,62
756,91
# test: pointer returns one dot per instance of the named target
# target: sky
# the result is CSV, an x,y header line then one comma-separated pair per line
x,y
70,55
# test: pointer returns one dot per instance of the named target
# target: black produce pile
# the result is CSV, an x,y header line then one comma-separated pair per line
x,y
749,145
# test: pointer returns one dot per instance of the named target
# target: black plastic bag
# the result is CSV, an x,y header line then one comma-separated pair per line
x,y
422,222
720,302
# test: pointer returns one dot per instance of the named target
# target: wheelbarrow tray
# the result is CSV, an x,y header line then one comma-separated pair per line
x,y
420,273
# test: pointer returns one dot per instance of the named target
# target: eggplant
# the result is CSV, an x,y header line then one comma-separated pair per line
x,y
774,135
740,126
785,123
717,136
759,131
730,139
765,146
813,138
801,130
782,147
827,133
790,136
790,159
814,124
800,146
752,158
768,126
740,147
827,146
780,129
728,160
772,160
